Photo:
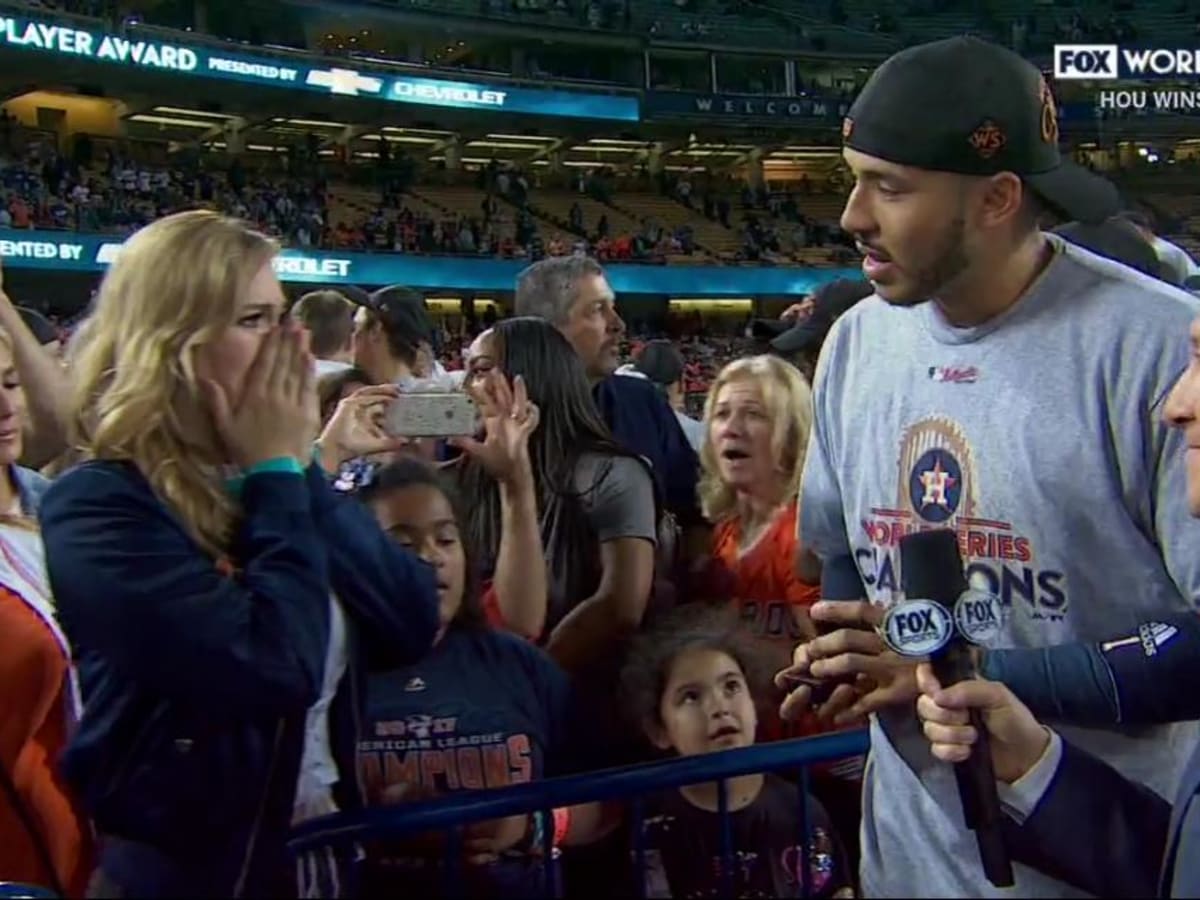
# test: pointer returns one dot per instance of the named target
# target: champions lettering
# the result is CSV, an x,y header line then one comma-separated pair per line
x,y
440,765
109,48
447,94
1106,62
999,562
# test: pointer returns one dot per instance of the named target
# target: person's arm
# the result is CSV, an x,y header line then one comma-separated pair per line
x,y
1119,681
593,628
820,520
519,579
1067,814
622,514
132,587
567,725
387,590
1092,828
47,387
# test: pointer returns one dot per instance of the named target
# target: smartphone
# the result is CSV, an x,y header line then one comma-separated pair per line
x,y
444,414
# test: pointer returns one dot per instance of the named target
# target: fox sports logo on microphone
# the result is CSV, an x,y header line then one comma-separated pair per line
x,y
917,627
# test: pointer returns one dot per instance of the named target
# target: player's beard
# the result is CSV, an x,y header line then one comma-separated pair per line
x,y
930,280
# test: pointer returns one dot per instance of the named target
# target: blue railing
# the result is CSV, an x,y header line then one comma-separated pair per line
x,y
467,807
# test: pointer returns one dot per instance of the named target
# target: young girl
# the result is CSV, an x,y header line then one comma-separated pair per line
x,y
688,682
484,709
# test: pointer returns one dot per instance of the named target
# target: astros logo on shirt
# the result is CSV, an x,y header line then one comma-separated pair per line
x,y
937,459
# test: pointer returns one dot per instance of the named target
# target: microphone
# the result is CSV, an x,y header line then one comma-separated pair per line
x,y
941,618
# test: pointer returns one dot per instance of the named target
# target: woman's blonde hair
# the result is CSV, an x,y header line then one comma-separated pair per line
x,y
18,520
174,287
788,400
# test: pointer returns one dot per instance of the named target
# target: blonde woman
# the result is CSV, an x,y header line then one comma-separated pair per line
x,y
757,419
758,416
220,599
44,839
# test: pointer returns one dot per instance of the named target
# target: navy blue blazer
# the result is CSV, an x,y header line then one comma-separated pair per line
x,y
1110,836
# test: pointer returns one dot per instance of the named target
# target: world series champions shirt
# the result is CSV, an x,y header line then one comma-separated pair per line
x,y
1038,438
484,709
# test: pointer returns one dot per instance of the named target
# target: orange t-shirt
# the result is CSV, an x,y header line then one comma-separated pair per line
x,y
33,734
767,593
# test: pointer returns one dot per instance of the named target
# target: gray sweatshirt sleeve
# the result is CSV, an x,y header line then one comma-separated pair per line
x,y
821,524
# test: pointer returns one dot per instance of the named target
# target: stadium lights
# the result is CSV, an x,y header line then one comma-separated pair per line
x,y
392,129
168,120
313,123
589,148
522,137
399,139
501,145
194,113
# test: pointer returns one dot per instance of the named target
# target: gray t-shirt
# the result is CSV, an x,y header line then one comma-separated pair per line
x,y
615,500
1038,437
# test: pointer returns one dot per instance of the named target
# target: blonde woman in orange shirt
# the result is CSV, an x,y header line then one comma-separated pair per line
x,y
757,419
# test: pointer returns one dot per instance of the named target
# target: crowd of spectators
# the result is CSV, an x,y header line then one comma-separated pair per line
x,y
116,190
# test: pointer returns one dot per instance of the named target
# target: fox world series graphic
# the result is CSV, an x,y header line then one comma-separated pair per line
x,y
937,488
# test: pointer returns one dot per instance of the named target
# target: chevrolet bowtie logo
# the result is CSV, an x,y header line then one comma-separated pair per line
x,y
347,82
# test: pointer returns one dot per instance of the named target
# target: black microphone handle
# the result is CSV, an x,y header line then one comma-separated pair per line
x,y
975,776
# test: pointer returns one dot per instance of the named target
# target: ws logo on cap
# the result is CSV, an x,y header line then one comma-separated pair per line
x,y
1082,62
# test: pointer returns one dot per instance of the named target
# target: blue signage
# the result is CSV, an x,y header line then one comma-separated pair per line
x,y
672,104
464,95
202,61
68,251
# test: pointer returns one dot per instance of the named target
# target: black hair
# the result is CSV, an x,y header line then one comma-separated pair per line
x,y
330,388
410,472
400,311
693,626
570,426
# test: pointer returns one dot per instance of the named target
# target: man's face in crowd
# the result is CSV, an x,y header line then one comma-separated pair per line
x,y
911,226
368,340
594,328
1182,411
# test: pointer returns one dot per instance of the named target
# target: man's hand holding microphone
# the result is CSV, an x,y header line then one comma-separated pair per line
x,y
1016,739
878,659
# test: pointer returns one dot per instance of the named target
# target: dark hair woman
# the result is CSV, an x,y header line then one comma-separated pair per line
x,y
595,502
